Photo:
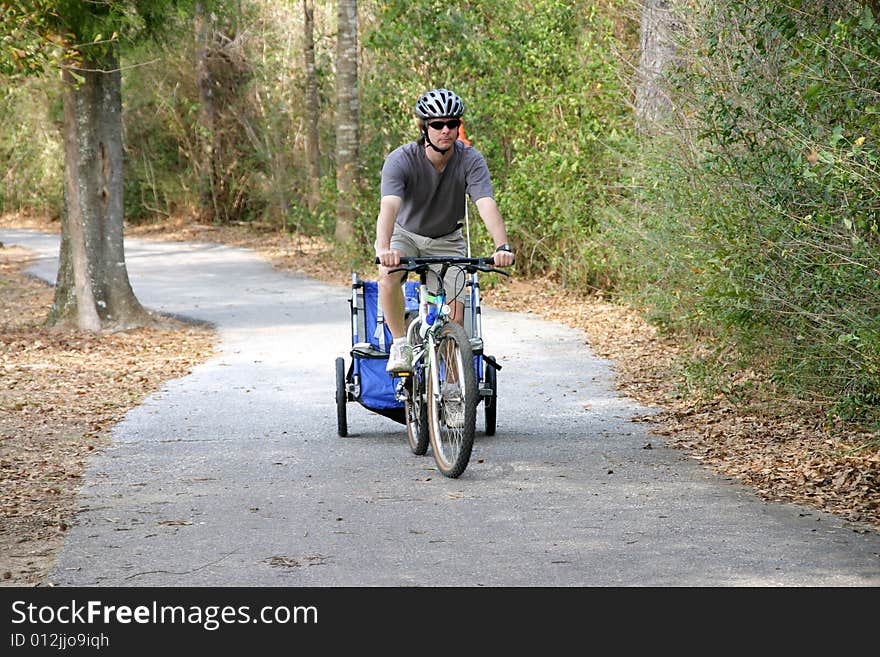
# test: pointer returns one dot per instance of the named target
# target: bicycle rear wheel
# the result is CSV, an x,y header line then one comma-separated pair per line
x,y
415,408
451,418
416,417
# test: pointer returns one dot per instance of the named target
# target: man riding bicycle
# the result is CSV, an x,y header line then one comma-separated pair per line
x,y
422,206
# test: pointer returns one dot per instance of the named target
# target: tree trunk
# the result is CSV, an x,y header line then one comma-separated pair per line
x,y
93,291
346,119
313,149
658,55
207,163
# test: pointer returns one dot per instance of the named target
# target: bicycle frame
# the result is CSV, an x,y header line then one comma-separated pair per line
x,y
429,324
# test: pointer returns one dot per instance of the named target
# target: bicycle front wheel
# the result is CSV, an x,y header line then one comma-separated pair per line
x,y
452,400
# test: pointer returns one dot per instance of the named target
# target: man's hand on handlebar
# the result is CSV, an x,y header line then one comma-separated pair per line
x,y
389,258
503,258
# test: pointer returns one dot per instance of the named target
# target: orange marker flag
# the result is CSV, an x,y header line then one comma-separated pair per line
x,y
461,135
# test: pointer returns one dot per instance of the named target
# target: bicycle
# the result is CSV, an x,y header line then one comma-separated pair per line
x,y
441,393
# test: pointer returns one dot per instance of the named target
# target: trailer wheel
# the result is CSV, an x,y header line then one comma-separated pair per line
x,y
341,398
491,401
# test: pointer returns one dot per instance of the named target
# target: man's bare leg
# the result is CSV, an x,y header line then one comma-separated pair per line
x,y
392,303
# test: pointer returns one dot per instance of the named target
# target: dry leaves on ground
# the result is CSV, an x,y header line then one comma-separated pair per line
x,y
785,451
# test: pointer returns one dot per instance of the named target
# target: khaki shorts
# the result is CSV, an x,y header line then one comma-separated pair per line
x,y
413,245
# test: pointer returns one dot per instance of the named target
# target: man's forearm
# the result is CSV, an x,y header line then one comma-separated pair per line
x,y
388,209
491,216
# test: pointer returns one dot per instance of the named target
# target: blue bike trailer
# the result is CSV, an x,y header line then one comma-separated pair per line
x,y
366,381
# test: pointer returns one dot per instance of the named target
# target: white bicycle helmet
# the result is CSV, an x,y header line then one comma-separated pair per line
x,y
439,103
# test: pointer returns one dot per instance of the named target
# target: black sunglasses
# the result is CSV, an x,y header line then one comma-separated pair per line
x,y
452,124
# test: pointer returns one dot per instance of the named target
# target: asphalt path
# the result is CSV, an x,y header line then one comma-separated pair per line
x,y
234,475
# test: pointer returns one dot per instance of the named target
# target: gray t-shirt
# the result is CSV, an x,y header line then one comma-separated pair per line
x,y
433,201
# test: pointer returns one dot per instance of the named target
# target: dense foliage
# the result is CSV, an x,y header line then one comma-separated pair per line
x,y
792,135
37,39
756,219
39,34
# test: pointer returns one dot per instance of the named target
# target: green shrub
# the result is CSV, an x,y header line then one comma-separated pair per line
x,y
31,148
781,214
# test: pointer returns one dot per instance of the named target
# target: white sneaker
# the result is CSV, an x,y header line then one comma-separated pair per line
x,y
400,358
453,405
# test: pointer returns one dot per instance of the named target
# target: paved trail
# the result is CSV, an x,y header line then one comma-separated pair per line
x,y
234,475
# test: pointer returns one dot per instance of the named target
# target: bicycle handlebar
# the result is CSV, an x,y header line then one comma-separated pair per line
x,y
414,264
